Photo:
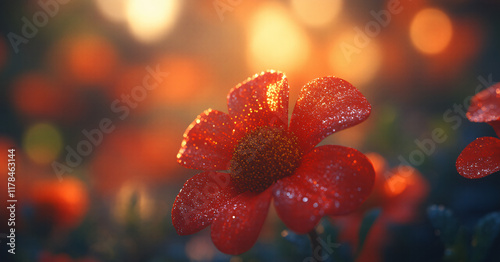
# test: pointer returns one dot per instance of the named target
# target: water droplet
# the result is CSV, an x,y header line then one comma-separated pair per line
x,y
305,199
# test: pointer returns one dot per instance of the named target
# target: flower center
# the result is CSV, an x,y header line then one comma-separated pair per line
x,y
262,157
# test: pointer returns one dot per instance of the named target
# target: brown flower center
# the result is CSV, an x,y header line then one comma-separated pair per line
x,y
262,157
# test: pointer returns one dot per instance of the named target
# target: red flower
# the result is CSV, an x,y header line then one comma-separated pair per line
x,y
399,192
267,159
482,157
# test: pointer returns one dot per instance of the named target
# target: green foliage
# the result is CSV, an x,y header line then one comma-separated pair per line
x,y
443,220
487,229
459,245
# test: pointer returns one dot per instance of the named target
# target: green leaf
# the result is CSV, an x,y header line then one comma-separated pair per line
x,y
487,229
368,220
443,220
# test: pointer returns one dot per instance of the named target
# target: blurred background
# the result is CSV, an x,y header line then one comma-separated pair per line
x,y
95,96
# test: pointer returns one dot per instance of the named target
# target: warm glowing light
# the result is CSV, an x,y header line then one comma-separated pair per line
x,y
200,248
61,202
357,64
317,13
113,10
150,20
431,31
273,95
275,41
133,198
42,143
399,179
395,185
378,162
188,81
84,59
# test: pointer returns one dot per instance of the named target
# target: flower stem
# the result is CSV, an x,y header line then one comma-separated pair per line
x,y
316,248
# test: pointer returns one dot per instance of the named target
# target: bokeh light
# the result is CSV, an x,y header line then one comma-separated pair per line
x,y
84,59
358,64
431,31
189,80
113,10
317,13
275,41
37,95
132,154
395,185
378,162
150,20
166,61
200,248
133,201
63,203
42,143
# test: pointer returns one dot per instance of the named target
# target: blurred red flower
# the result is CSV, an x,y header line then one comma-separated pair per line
x,y
269,159
137,154
399,192
482,157
60,203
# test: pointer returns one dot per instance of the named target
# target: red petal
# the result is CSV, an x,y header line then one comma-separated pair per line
x,y
331,180
485,105
199,200
480,158
326,105
496,126
260,101
208,142
237,226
